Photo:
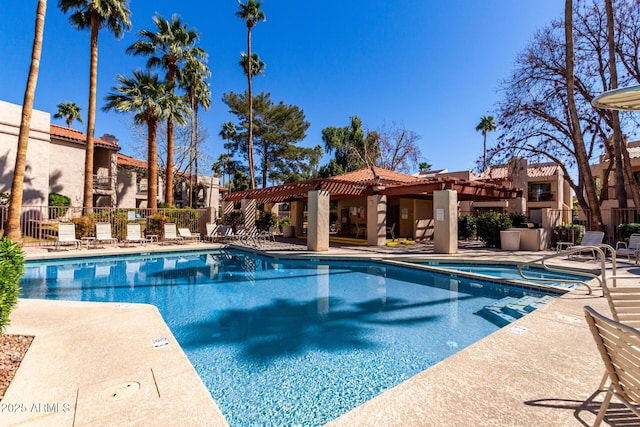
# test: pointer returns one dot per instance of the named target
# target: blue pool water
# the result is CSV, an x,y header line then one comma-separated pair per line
x,y
288,342
510,272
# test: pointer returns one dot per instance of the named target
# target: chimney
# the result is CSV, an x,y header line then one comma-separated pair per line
x,y
109,138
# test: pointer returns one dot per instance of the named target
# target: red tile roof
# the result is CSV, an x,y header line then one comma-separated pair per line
x,y
536,170
376,175
72,135
130,161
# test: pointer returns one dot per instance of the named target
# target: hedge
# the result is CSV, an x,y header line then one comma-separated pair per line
x,y
11,270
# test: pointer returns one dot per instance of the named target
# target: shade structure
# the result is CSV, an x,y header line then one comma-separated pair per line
x,y
626,99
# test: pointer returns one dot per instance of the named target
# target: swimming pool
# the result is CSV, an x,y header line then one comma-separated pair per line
x,y
288,342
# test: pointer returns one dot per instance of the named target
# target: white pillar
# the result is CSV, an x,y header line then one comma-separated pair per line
x,y
376,220
445,212
318,221
248,207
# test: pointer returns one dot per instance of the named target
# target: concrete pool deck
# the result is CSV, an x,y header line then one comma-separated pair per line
x,y
90,356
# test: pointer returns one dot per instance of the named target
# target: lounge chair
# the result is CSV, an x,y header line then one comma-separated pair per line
x,y
619,347
590,239
390,231
171,233
212,232
67,236
186,234
134,234
269,234
633,248
103,233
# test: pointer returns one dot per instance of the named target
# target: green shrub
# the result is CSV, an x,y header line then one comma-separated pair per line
x,y
234,219
489,225
466,227
11,270
266,220
57,200
283,222
517,218
85,226
626,230
156,224
568,233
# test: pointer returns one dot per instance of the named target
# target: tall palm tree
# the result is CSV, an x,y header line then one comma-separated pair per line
x,y
151,101
15,199
487,124
168,48
257,66
228,131
113,15
193,79
69,111
251,14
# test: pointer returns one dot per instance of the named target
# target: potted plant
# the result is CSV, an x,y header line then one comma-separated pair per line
x,y
288,230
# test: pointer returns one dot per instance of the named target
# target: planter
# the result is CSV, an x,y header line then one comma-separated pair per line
x,y
288,231
510,240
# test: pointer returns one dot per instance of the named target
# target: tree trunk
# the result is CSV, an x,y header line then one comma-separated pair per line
x,y
195,148
484,157
582,159
168,173
91,113
15,199
250,142
152,166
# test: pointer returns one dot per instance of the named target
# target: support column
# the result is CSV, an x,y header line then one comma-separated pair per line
x,y
518,205
376,220
297,217
445,212
318,221
248,207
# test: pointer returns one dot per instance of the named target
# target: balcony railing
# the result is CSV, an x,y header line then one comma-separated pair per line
x,y
547,196
103,182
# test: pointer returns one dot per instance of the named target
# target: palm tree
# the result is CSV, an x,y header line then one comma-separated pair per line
x,y
114,15
69,111
15,199
151,101
193,79
228,131
487,124
251,14
257,66
169,47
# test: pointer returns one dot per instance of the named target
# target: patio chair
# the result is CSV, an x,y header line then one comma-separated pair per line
x,y
390,231
186,234
134,235
103,233
67,236
268,234
619,347
212,232
590,239
171,233
226,233
633,248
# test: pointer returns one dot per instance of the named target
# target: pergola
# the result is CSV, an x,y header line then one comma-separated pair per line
x,y
342,189
376,185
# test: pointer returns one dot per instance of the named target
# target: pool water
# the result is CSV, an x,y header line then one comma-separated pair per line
x,y
288,342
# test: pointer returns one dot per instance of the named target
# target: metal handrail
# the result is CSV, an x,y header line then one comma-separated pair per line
x,y
602,278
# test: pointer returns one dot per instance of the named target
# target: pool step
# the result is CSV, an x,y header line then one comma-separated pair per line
x,y
509,309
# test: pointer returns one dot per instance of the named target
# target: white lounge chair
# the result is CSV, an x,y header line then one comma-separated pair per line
x,y
171,233
103,233
134,234
67,236
212,232
186,234
619,347
633,248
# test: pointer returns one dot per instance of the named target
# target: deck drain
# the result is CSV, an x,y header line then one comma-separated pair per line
x,y
121,391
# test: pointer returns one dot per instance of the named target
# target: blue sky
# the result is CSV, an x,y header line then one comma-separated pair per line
x,y
432,67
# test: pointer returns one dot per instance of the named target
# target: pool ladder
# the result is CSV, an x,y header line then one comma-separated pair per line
x,y
602,278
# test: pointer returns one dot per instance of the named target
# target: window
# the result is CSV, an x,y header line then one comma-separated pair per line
x,y
540,192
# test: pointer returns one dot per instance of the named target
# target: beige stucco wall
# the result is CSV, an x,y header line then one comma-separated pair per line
x,y
406,226
424,219
66,167
36,183
126,189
